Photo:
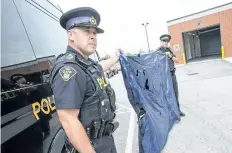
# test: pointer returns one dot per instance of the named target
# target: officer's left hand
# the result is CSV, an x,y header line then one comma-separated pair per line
x,y
168,54
117,53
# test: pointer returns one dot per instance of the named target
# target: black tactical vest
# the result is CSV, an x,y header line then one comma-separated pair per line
x,y
101,105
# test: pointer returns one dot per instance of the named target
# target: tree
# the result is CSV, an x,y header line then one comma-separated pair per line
x,y
129,54
105,57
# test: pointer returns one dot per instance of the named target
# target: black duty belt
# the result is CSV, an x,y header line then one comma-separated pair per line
x,y
101,128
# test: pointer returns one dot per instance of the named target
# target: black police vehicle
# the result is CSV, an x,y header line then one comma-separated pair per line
x,y
31,39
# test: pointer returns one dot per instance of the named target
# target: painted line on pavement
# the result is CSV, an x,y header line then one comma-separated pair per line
x,y
130,133
120,109
123,106
122,112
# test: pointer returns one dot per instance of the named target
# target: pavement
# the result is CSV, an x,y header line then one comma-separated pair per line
x,y
205,91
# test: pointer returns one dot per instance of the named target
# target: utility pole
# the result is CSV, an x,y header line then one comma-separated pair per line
x,y
145,25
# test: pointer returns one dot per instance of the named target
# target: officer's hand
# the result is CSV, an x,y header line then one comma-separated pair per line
x,y
168,54
117,53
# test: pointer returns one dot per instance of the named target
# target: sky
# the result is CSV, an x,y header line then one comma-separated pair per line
x,y
122,20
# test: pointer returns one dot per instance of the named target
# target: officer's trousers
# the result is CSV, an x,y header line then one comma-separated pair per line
x,y
175,87
104,145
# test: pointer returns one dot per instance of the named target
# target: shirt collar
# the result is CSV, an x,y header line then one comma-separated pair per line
x,y
71,50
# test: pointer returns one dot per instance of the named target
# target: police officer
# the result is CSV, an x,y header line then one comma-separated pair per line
x,y
85,103
164,47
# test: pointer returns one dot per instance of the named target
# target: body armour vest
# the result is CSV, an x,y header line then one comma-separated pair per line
x,y
101,105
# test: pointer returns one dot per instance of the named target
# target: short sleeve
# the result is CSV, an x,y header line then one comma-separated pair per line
x,y
69,86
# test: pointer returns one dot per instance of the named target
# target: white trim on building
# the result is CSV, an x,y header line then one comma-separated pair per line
x,y
201,14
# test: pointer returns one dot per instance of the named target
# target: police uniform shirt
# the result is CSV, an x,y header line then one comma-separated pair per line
x,y
170,60
71,85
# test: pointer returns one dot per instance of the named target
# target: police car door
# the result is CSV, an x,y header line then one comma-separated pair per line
x,y
26,98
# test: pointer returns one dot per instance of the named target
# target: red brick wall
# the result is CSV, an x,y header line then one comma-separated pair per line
x,y
223,18
226,31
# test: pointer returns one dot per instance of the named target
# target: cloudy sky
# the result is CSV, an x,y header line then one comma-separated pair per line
x,y
122,20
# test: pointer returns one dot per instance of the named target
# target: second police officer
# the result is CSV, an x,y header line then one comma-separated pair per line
x,y
85,103
164,47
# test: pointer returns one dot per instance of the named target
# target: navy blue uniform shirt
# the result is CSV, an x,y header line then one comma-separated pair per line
x,y
70,84
170,61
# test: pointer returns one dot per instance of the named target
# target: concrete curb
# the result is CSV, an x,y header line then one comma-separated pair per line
x,y
229,59
179,65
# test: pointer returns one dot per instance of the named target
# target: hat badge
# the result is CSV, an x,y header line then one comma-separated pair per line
x,y
92,20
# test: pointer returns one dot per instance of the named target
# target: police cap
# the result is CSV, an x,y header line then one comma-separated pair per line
x,y
81,17
165,37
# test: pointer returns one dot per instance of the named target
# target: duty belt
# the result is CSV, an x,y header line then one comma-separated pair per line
x,y
101,128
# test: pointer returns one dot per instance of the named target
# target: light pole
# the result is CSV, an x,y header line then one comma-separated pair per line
x,y
145,25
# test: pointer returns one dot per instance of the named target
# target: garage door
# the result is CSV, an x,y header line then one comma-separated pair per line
x,y
210,43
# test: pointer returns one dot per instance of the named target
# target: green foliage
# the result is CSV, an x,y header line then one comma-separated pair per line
x,y
105,57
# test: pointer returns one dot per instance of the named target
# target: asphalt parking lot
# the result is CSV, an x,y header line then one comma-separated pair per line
x,y
205,96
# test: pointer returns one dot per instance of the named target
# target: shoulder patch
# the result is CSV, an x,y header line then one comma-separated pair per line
x,y
67,72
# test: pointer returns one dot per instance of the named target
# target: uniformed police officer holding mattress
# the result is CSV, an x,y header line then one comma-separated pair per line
x,y
85,103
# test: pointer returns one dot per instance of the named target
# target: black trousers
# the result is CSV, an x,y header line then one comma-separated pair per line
x,y
104,145
175,87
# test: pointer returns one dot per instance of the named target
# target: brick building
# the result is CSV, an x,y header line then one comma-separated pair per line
x,y
206,34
